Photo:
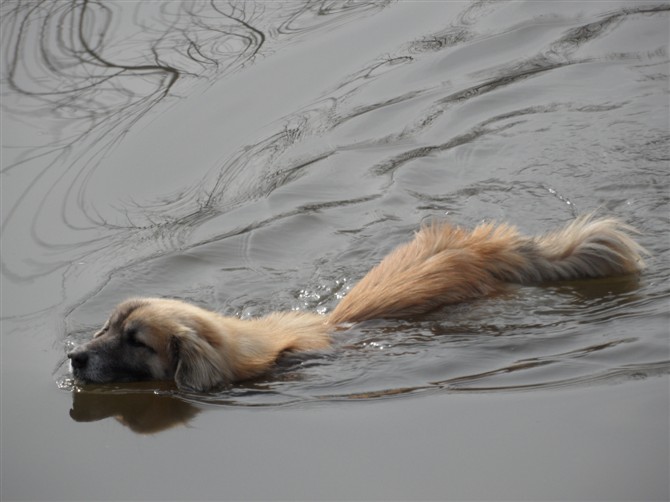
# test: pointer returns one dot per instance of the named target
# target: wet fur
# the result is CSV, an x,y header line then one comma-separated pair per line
x,y
162,339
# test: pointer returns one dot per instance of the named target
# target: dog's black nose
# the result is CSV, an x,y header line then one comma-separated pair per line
x,y
78,358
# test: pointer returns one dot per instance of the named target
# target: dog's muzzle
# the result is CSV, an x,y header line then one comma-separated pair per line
x,y
78,359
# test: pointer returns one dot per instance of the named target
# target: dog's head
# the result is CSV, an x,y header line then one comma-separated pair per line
x,y
155,339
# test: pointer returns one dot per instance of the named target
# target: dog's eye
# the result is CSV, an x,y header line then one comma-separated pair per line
x,y
135,342
131,338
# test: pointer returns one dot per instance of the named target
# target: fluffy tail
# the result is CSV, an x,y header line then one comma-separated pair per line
x,y
585,248
446,264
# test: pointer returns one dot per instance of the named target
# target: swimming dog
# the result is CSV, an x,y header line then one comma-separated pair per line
x,y
200,350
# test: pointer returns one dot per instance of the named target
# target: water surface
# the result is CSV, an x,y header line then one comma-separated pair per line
x,y
252,157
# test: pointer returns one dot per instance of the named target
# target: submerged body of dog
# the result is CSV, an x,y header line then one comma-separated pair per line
x,y
162,339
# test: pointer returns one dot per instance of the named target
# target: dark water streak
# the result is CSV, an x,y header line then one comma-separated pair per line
x,y
99,101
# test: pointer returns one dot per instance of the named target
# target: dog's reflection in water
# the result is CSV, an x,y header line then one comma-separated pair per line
x,y
137,407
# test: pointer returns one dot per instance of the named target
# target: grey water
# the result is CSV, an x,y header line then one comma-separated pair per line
x,y
259,156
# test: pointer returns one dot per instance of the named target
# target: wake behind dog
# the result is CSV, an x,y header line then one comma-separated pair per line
x,y
200,350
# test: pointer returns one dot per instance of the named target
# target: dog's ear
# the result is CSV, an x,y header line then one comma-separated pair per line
x,y
199,366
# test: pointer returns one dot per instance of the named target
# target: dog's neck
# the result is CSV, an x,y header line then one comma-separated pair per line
x,y
248,347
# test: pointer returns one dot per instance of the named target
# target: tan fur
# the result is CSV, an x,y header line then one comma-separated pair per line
x,y
153,338
163,339
446,264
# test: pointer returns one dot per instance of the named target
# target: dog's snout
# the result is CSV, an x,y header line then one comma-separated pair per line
x,y
78,358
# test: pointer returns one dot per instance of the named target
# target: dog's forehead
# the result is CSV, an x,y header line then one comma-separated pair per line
x,y
124,310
